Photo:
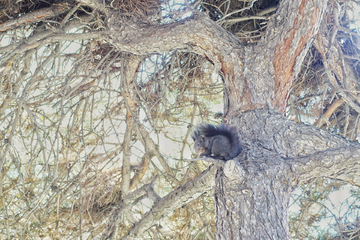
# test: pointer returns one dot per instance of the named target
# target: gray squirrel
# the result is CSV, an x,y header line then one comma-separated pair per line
x,y
220,142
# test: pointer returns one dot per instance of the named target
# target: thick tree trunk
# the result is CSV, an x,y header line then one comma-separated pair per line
x,y
252,191
252,198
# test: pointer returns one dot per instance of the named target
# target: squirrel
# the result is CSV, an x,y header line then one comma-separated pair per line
x,y
220,142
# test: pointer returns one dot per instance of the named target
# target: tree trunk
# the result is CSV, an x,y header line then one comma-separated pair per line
x,y
252,191
252,198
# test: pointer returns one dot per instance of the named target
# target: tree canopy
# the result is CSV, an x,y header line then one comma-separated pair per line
x,y
99,98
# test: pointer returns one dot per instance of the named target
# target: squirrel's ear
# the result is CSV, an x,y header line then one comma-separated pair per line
x,y
194,134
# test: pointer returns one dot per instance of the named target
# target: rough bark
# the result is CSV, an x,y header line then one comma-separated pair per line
x,y
252,198
252,192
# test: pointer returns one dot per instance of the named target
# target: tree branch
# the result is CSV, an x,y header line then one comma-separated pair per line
x,y
281,52
290,35
35,16
332,163
177,198
197,34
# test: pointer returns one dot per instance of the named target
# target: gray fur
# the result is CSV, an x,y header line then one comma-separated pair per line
x,y
219,142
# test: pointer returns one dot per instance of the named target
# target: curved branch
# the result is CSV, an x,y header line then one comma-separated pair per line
x,y
281,52
198,34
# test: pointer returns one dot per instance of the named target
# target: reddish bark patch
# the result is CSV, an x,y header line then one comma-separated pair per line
x,y
285,57
237,97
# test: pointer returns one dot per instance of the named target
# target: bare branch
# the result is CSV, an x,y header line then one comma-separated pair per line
x,y
35,16
334,163
177,198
